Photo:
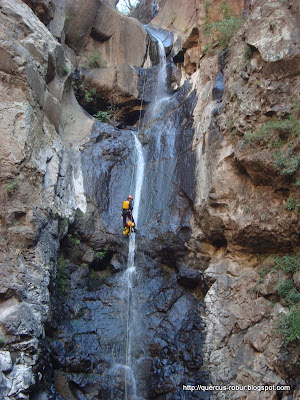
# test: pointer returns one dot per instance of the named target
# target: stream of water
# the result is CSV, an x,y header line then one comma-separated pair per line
x,y
130,273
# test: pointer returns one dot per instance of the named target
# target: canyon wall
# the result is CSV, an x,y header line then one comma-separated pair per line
x,y
218,237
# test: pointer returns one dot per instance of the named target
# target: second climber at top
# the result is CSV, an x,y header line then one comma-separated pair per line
x,y
127,212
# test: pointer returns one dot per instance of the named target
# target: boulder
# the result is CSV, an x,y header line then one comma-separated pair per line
x,y
125,39
79,21
43,9
274,31
189,277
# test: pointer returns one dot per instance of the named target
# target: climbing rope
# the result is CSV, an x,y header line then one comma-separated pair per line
x,y
128,288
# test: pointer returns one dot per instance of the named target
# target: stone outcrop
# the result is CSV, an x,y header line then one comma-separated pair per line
x,y
220,199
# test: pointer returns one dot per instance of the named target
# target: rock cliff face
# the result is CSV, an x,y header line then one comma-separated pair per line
x,y
216,297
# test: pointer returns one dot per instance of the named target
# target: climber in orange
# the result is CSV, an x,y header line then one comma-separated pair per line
x,y
127,213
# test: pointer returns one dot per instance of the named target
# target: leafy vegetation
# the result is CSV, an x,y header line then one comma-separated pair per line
x,y
73,240
101,254
288,292
61,278
276,133
89,95
1,342
66,70
12,187
92,275
289,326
221,31
292,205
287,263
286,163
248,53
106,116
95,61
274,129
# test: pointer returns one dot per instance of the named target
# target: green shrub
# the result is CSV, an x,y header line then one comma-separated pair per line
x,y
275,127
289,326
90,95
66,70
73,240
248,53
288,163
12,187
101,254
104,116
222,30
263,272
1,342
96,61
288,292
61,274
92,275
287,263
291,205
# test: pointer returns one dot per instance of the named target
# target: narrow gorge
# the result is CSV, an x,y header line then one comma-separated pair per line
x,y
193,108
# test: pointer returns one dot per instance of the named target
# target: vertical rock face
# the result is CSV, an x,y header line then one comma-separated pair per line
x,y
220,196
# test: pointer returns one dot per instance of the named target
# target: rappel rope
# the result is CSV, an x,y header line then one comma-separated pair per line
x,y
128,288
139,123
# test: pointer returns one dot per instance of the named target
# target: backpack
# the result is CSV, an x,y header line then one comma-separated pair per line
x,y
125,208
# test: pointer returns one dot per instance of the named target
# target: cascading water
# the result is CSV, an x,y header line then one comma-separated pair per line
x,y
131,268
130,273
161,93
141,324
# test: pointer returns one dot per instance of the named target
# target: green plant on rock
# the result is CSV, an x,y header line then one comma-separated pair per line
x,y
272,129
288,292
289,326
61,274
66,70
101,254
90,95
96,60
286,163
291,205
207,4
92,275
288,263
2,342
223,30
12,187
73,240
248,53
104,116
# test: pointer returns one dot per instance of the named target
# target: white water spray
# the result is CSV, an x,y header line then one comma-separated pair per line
x,y
131,268
161,94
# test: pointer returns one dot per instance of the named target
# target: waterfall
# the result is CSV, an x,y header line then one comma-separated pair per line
x,y
161,93
161,90
140,166
130,273
131,268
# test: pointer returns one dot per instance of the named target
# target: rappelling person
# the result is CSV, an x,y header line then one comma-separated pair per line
x,y
127,208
